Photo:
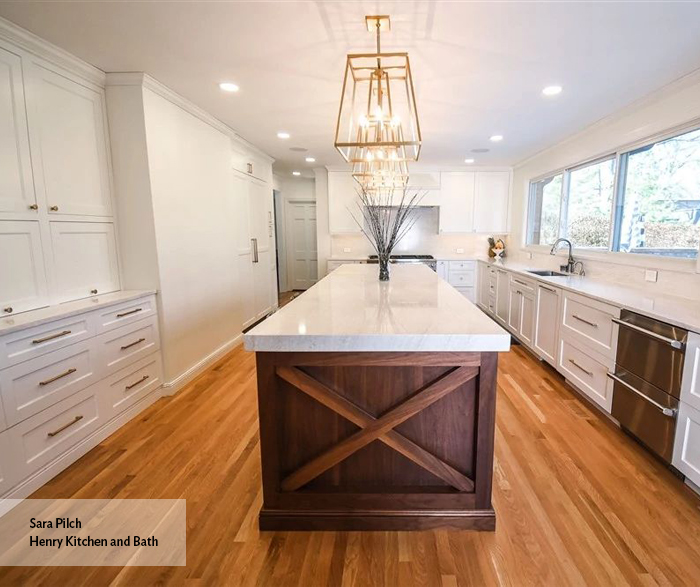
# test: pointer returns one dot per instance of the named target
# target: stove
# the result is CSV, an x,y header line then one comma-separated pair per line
x,y
428,260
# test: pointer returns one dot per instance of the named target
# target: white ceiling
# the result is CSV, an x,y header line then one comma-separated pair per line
x,y
479,68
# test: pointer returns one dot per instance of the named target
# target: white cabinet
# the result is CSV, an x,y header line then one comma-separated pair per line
x,y
8,469
590,322
343,203
587,370
521,307
462,276
502,295
484,285
22,273
690,385
443,269
547,322
491,197
16,182
457,202
84,259
67,129
686,449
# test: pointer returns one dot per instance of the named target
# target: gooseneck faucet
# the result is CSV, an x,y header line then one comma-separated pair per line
x,y
569,267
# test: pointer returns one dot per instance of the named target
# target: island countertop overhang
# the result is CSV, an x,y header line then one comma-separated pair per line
x,y
350,310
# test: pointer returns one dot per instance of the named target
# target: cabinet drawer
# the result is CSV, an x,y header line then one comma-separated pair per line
x,y
590,321
587,370
467,292
8,470
129,385
27,344
34,385
461,278
462,265
125,345
126,313
686,449
45,436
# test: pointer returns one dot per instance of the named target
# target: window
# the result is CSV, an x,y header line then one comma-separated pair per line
x,y
659,203
589,204
545,202
654,210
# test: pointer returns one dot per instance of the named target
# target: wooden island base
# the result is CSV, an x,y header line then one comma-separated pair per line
x,y
376,440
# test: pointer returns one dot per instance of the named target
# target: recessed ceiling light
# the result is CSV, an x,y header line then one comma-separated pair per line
x,y
469,160
296,172
228,87
552,90
496,138
310,159
283,135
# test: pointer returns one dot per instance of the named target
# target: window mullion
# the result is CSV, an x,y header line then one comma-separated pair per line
x,y
564,205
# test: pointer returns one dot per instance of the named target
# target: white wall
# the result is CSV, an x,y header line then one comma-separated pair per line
x,y
195,221
675,105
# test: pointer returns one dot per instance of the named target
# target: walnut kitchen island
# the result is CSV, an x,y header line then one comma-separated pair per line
x,y
377,405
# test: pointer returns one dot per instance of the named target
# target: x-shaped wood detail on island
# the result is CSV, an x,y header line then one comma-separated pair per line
x,y
381,428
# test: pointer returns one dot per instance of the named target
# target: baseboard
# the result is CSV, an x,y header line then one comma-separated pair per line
x,y
172,387
46,473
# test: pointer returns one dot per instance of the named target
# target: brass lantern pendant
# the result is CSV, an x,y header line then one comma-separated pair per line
x,y
378,130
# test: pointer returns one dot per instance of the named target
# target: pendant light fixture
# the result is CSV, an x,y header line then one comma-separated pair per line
x,y
378,130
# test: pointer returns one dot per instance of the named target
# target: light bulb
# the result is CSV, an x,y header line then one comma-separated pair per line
x,y
378,113
370,157
395,121
363,121
380,154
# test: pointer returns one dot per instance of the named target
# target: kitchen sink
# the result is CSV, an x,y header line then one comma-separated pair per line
x,y
543,273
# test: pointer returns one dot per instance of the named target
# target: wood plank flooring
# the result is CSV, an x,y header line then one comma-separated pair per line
x,y
577,502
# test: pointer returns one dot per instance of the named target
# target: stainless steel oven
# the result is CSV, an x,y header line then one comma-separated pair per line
x,y
647,377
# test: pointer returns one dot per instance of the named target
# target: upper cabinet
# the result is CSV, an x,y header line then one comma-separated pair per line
x,y
491,197
342,203
457,202
67,128
16,183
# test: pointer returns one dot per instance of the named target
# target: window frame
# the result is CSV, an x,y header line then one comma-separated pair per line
x,y
610,254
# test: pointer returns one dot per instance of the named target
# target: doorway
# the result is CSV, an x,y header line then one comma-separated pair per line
x,y
302,253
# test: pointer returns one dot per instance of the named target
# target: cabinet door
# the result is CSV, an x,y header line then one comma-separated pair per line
x,y
16,183
261,223
69,146
502,295
690,386
547,322
484,285
514,308
21,258
457,202
492,190
85,259
8,468
343,203
686,449
527,317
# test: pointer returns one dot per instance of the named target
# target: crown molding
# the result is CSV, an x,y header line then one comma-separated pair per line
x,y
39,47
144,80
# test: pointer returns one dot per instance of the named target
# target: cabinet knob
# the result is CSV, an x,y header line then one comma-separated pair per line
x,y
93,291
33,207
54,208
8,310
250,168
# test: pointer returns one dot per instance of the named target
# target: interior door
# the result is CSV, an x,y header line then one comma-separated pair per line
x,y
21,257
69,144
16,183
302,252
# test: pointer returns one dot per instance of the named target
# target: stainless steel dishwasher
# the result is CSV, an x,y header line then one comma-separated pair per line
x,y
647,377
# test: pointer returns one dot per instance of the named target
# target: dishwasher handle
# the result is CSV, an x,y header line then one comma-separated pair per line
x,y
670,412
676,344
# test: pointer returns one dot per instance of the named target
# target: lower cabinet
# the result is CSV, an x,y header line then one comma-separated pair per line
x,y
587,370
686,450
502,295
462,276
521,309
60,401
546,322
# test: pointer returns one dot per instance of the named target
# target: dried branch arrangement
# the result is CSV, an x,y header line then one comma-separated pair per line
x,y
385,218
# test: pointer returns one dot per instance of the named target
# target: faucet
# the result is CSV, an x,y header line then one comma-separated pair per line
x,y
570,264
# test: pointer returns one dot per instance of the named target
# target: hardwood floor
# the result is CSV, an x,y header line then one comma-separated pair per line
x,y
577,502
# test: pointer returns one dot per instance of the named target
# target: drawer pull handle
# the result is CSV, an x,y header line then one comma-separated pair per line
x,y
57,377
521,282
670,412
584,321
548,288
136,382
676,344
575,364
129,313
139,341
51,337
62,428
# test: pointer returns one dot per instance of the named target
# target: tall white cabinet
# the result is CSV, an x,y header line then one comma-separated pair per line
x,y
57,232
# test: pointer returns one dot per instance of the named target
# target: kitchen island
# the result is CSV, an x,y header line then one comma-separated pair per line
x,y
377,405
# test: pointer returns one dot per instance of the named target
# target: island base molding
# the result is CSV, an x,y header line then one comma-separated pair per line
x,y
376,440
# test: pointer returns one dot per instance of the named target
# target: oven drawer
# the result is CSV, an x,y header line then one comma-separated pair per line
x,y
587,370
125,345
590,322
34,385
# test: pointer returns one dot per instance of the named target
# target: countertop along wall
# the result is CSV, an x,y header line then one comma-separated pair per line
x,y
673,106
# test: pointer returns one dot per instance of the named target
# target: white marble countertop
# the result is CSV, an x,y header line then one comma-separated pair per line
x,y
67,309
351,310
674,310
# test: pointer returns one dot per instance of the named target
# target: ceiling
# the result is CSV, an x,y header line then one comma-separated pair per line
x,y
479,68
